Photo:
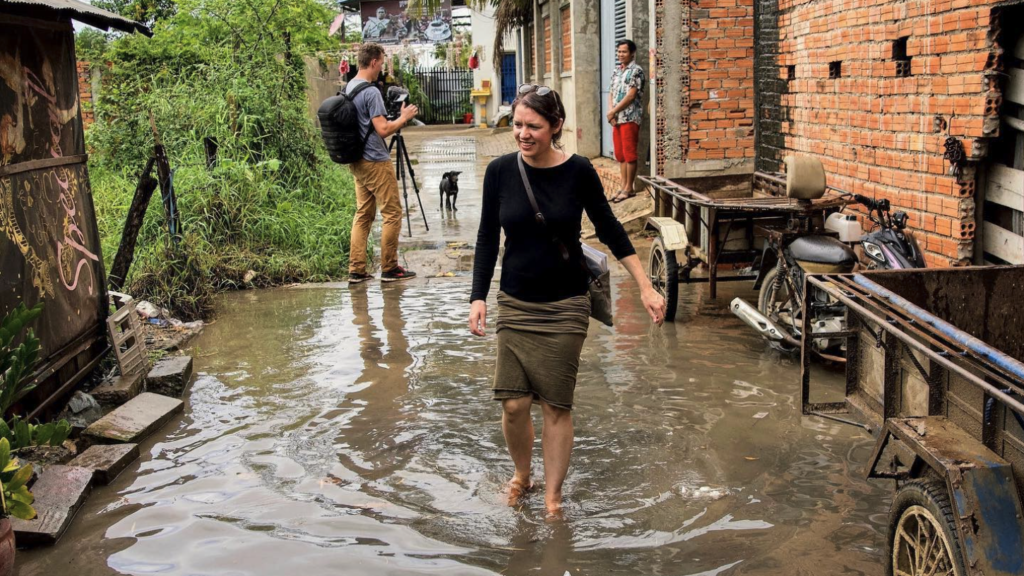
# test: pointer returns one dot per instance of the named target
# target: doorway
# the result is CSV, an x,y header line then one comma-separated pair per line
x,y
613,29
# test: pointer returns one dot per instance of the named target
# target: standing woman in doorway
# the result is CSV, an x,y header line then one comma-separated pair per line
x,y
543,302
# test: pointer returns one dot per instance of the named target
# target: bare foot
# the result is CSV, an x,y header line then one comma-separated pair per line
x,y
517,490
554,517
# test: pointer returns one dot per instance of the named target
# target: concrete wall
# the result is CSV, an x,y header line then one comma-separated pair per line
x,y
586,25
322,82
482,23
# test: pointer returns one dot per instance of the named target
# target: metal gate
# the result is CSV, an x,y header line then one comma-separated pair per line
x,y
448,93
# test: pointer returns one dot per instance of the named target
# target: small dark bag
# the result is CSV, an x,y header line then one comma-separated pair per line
x,y
594,262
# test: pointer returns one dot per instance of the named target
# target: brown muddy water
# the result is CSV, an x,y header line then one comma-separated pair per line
x,y
336,431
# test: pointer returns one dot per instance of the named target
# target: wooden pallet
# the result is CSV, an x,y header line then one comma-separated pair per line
x,y
126,338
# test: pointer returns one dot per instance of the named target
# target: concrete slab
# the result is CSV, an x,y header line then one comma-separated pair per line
x,y
107,460
137,419
117,391
59,492
170,376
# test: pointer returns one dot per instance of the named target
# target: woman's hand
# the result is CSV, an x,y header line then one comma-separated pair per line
x,y
478,317
655,304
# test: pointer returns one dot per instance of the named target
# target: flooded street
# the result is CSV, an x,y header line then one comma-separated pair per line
x,y
351,431
337,431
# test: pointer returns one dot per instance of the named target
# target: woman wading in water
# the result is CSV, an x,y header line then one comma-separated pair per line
x,y
543,302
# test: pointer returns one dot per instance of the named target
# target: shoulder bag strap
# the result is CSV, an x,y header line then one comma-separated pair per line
x,y
539,216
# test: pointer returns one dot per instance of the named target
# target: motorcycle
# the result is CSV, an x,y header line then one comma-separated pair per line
x,y
803,248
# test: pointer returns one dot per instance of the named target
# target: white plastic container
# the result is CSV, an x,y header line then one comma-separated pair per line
x,y
846,225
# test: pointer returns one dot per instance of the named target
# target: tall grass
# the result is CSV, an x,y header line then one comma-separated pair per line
x,y
273,204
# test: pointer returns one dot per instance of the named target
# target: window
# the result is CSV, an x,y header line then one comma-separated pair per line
x,y
791,72
899,54
547,45
566,40
620,20
835,70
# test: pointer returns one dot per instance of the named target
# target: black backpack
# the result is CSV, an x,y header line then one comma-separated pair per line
x,y
339,126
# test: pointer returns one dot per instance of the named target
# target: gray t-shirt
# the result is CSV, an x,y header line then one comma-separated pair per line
x,y
370,104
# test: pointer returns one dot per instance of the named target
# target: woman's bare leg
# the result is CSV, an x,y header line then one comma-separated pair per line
x,y
556,441
517,425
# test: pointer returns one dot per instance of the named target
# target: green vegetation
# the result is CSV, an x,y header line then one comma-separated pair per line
x,y
273,204
17,362
15,498
21,434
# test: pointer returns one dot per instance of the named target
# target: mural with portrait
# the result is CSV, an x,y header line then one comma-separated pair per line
x,y
386,22
49,243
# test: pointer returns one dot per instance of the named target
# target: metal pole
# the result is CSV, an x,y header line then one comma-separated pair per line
x,y
936,357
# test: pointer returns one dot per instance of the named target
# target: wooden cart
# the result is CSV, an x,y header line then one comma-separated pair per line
x,y
718,221
935,367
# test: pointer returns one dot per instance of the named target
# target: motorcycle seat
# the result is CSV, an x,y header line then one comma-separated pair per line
x,y
821,250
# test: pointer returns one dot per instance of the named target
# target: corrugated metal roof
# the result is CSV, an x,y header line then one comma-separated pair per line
x,y
85,13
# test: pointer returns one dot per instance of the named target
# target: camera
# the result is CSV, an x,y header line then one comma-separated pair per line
x,y
396,96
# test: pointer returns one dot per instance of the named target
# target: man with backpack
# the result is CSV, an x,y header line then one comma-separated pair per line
x,y
376,184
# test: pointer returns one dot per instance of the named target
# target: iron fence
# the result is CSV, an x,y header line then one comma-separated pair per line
x,y
448,91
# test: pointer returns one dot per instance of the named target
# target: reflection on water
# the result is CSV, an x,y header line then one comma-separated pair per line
x,y
337,431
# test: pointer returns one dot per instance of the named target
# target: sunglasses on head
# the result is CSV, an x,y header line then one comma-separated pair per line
x,y
541,90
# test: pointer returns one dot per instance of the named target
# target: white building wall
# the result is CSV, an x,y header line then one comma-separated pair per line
x,y
482,23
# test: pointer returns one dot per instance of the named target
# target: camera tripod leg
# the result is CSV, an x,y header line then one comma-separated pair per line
x,y
400,170
415,186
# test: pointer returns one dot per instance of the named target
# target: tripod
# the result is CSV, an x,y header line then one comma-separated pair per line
x,y
402,163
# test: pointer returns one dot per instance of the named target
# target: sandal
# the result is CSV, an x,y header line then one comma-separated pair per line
x,y
619,197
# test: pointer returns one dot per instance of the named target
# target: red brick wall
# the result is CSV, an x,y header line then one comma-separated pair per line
x,y
85,93
722,80
881,134
716,120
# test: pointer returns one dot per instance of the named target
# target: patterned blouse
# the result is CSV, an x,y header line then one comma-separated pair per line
x,y
632,76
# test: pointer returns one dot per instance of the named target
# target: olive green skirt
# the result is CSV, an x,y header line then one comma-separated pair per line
x,y
539,346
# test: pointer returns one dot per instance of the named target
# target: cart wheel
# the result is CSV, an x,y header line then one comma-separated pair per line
x,y
778,306
664,273
922,537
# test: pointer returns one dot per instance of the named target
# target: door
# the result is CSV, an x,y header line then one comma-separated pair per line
x,y
613,29
508,78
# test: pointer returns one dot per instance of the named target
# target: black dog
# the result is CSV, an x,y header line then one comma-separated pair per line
x,y
449,186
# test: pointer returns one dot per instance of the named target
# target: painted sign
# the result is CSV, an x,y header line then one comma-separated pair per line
x,y
386,22
49,243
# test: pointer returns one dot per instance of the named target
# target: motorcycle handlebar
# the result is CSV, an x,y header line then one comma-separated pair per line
x,y
880,205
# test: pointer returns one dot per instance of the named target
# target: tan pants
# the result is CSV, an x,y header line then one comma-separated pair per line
x,y
375,186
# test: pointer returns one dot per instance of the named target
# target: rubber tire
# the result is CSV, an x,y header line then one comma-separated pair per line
x,y
929,493
762,306
671,292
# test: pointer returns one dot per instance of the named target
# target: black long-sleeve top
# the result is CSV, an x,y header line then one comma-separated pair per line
x,y
532,269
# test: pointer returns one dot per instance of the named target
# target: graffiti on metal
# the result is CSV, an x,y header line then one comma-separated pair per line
x,y
49,244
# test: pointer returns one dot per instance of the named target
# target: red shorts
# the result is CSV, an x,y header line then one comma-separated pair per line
x,y
625,136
